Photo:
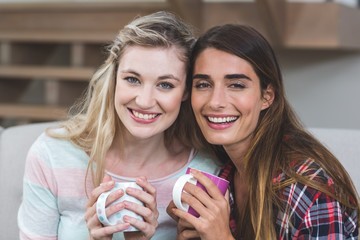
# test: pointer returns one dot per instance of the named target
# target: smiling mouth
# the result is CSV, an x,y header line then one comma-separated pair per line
x,y
145,116
221,120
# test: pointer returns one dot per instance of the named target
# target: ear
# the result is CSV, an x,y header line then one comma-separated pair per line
x,y
268,97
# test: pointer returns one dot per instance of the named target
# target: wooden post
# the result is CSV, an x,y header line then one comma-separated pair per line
x,y
273,13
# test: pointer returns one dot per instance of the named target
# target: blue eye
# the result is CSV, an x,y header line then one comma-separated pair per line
x,y
132,80
166,85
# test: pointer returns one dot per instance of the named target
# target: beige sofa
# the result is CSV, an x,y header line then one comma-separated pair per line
x,y
15,142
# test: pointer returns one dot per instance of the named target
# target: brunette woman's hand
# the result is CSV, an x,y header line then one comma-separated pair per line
x,y
184,229
149,211
96,229
213,207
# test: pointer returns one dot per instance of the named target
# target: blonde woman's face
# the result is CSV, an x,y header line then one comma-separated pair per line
x,y
226,98
150,87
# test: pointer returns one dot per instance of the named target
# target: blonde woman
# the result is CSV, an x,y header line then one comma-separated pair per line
x,y
132,126
285,184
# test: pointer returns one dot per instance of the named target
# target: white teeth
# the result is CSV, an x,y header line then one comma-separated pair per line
x,y
144,116
222,119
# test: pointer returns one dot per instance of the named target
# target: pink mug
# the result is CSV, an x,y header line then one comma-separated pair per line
x,y
221,183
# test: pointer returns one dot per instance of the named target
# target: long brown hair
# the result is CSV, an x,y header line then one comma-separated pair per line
x,y
279,138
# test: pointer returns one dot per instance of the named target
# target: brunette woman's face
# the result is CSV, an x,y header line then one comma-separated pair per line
x,y
226,97
150,87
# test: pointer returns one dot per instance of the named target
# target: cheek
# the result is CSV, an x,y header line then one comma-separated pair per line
x,y
173,102
248,106
123,94
196,102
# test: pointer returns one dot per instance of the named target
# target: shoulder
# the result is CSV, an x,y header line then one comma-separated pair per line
x,y
296,188
54,151
206,162
307,168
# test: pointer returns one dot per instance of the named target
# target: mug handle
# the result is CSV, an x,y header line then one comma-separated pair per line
x,y
178,189
100,209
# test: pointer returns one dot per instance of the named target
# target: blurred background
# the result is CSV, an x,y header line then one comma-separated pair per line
x,y
49,50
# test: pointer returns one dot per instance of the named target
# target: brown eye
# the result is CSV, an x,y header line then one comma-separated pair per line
x,y
237,85
201,85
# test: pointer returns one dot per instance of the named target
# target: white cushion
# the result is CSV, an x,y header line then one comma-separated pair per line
x,y
345,145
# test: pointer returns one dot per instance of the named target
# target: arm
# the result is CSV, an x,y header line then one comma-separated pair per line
x,y
38,216
314,215
327,218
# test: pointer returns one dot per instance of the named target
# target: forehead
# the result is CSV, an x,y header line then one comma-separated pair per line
x,y
134,50
152,60
131,52
216,61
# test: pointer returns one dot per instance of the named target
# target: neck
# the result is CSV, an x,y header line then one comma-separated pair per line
x,y
139,157
236,153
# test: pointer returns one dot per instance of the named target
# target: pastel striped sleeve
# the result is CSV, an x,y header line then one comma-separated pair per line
x,y
38,216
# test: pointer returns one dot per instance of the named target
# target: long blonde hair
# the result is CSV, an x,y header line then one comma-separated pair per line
x,y
94,123
279,138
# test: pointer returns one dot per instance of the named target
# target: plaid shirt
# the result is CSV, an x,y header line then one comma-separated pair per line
x,y
310,214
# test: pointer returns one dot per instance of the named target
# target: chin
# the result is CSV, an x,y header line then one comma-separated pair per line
x,y
217,141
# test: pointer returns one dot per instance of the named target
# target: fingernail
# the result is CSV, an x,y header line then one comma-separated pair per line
x,y
141,179
105,184
120,206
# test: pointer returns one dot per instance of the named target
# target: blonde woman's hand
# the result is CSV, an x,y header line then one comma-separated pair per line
x,y
213,207
149,211
96,229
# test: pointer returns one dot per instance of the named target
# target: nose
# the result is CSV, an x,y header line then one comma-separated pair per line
x,y
218,98
145,98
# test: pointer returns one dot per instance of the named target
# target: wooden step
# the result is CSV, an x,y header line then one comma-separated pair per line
x,y
72,18
49,36
322,26
33,112
47,72
326,25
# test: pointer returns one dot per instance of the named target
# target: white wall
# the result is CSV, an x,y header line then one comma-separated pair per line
x,y
323,86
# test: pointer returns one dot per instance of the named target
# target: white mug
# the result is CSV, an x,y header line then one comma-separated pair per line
x,y
118,216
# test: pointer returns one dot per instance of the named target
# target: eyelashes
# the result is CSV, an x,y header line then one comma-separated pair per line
x,y
206,84
166,85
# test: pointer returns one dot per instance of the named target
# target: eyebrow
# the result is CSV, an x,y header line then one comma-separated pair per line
x,y
167,76
237,76
201,76
227,76
131,71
